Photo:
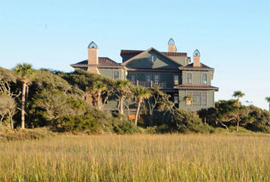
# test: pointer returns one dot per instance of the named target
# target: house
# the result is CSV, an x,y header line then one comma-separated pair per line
x,y
172,71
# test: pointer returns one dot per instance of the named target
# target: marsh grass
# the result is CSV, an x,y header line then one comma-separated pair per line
x,y
137,158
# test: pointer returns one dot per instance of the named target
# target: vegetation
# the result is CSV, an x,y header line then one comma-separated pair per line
x,y
140,93
25,73
268,100
138,158
73,102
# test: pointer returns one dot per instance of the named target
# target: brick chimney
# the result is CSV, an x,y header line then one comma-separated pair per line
x,y
196,58
171,46
93,58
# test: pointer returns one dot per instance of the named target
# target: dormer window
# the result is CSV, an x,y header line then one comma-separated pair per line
x,y
152,58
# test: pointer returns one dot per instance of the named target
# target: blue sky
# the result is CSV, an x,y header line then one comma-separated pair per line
x,y
233,36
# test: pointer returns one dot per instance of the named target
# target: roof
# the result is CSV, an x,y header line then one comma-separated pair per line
x,y
136,52
103,61
148,50
190,67
196,87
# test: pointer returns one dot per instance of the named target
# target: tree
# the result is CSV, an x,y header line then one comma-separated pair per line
x,y
98,88
268,100
57,104
7,108
25,73
140,93
238,95
6,78
122,89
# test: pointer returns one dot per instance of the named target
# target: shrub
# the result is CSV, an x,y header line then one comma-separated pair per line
x,y
185,122
125,127
80,123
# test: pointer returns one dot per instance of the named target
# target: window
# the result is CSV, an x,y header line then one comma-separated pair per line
x,y
204,98
116,75
175,99
189,78
156,79
152,58
176,79
204,78
148,78
197,98
133,79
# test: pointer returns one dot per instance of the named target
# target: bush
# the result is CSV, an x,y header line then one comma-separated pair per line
x,y
125,127
185,122
80,123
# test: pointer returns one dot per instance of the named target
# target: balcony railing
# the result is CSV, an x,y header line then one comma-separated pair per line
x,y
150,84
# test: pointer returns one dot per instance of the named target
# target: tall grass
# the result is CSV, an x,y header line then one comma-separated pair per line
x,y
137,158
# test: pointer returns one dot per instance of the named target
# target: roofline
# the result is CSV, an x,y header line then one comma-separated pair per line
x,y
152,69
94,65
199,87
148,50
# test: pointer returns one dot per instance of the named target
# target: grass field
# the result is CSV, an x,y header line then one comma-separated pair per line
x,y
137,158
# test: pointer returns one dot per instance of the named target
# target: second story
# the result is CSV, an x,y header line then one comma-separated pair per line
x,y
170,70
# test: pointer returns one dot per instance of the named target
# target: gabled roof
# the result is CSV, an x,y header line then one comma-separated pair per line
x,y
190,67
139,53
103,62
196,87
136,52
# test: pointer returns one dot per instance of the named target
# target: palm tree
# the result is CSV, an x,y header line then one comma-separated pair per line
x,y
98,88
140,93
122,89
238,95
25,73
268,100
188,99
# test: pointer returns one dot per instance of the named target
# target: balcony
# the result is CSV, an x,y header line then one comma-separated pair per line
x,y
150,84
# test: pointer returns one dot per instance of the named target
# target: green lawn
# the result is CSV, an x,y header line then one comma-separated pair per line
x,y
137,158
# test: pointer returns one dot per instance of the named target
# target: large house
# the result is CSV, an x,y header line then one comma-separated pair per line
x,y
172,71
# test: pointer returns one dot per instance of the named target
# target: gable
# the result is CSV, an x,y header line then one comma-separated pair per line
x,y
151,59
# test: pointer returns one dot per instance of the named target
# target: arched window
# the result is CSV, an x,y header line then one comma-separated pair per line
x,y
196,53
171,42
93,45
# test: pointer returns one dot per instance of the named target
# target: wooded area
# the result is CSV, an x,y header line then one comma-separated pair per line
x,y
42,98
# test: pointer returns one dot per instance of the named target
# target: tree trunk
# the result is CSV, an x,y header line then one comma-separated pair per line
x,y
23,104
98,100
138,110
121,110
237,126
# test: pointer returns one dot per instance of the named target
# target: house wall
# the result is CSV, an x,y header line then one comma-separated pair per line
x,y
167,78
110,73
196,77
210,100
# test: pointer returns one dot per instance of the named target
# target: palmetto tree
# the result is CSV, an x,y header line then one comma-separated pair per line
x,y
268,100
122,90
140,93
238,95
189,100
25,73
98,88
